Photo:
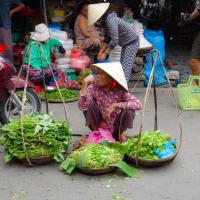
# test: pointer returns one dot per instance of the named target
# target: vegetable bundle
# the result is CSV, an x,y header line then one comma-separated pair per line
x,y
42,136
92,156
66,93
149,143
99,156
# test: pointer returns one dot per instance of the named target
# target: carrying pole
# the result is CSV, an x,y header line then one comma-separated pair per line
x,y
45,12
155,94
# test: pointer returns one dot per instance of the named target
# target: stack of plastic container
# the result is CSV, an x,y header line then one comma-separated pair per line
x,y
115,54
144,44
62,61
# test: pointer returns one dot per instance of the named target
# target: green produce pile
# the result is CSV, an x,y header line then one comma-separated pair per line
x,y
93,156
43,135
66,93
98,156
149,142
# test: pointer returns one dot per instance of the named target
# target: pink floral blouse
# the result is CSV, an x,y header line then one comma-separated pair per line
x,y
106,99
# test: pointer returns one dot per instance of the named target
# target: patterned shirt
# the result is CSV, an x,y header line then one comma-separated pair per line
x,y
119,31
106,99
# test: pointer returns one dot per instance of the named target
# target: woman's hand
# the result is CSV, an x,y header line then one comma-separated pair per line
x,y
89,79
102,57
99,56
11,12
61,50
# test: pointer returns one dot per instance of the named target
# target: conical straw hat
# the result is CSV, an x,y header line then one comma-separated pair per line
x,y
96,11
114,70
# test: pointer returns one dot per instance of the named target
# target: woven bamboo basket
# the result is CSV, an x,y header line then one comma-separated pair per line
x,y
96,171
40,160
151,163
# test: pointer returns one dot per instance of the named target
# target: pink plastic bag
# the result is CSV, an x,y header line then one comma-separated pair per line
x,y
99,136
80,64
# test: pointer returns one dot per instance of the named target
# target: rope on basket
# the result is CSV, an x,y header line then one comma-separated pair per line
x,y
123,112
15,86
57,86
44,84
145,102
22,110
176,103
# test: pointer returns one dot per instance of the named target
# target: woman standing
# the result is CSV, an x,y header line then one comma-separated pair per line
x,y
117,32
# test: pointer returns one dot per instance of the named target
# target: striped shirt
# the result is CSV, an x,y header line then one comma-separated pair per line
x,y
198,5
119,31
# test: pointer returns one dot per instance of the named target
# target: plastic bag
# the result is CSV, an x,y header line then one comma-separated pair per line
x,y
168,150
156,38
100,136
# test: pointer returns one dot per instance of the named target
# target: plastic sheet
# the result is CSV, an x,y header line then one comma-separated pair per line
x,y
156,38
99,136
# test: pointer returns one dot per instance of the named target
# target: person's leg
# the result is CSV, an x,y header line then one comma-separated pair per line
x,y
34,75
93,116
194,61
6,38
91,43
128,56
50,74
123,122
195,66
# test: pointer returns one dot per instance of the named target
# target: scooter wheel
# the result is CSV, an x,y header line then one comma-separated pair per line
x,y
34,104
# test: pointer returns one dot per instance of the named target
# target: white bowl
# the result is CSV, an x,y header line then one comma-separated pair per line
x,y
63,60
63,67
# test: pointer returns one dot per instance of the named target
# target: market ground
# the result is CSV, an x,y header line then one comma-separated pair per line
x,y
178,181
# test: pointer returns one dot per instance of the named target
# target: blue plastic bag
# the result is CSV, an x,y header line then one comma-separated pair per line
x,y
168,150
156,38
55,27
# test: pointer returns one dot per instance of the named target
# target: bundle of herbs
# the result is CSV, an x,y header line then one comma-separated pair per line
x,y
68,95
42,135
149,144
98,156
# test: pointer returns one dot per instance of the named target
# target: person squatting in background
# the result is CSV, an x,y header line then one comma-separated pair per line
x,y
38,56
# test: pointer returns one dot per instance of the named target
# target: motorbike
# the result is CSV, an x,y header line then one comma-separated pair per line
x,y
11,92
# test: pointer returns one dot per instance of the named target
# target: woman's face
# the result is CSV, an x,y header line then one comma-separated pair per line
x,y
102,79
84,11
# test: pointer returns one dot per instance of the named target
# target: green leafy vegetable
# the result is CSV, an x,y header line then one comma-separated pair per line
x,y
149,142
98,156
66,93
43,135
92,156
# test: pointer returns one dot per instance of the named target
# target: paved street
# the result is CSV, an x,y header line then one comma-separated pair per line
x,y
177,181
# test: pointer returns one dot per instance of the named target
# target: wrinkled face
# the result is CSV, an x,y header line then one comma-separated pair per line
x,y
102,79
84,10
